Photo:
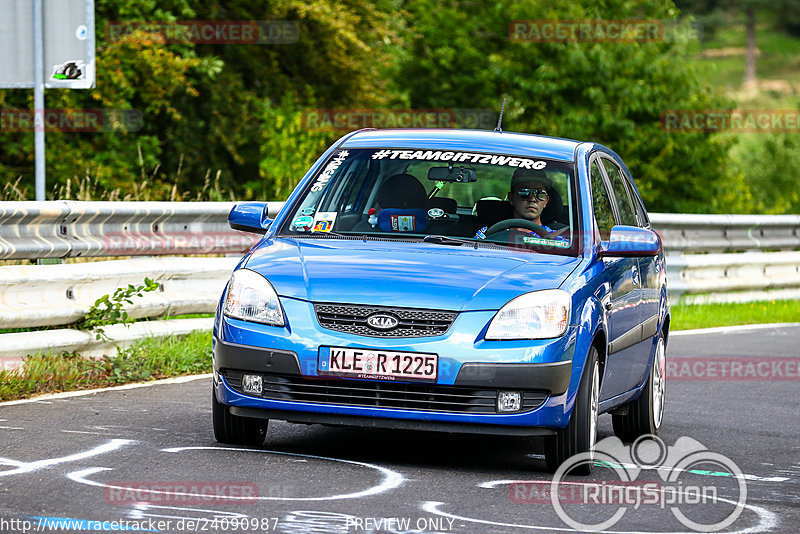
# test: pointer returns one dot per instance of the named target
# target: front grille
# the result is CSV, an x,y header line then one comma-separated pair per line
x,y
407,396
352,319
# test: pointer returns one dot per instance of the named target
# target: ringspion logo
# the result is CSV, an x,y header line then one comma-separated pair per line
x,y
704,491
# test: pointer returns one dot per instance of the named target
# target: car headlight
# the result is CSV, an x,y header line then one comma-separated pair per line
x,y
251,297
536,315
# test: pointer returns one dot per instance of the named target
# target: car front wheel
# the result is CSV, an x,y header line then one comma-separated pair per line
x,y
580,435
645,414
229,428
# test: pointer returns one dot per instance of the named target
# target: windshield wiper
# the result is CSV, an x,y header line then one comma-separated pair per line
x,y
445,240
317,233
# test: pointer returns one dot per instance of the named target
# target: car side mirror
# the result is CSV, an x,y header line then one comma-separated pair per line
x,y
631,241
250,217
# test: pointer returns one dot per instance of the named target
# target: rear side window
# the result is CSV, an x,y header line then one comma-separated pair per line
x,y
626,214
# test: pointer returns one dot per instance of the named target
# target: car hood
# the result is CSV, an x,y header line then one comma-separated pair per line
x,y
405,274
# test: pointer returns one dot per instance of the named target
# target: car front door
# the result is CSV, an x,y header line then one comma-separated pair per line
x,y
620,278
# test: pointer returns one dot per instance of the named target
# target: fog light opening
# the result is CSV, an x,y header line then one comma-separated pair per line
x,y
509,401
252,384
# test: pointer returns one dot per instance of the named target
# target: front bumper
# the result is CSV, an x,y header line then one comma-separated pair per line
x,y
467,362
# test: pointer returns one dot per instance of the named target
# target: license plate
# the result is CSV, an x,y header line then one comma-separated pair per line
x,y
377,364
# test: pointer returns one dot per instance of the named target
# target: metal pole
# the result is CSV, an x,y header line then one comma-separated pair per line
x,y
38,97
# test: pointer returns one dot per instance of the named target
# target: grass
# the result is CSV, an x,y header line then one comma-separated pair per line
x,y
149,359
779,60
89,188
690,316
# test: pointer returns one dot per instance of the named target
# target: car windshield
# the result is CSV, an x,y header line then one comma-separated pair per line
x,y
440,196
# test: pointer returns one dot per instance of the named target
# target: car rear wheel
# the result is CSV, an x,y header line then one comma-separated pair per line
x,y
580,434
229,428
645,414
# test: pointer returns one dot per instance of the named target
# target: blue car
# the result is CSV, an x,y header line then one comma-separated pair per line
x,y
449,280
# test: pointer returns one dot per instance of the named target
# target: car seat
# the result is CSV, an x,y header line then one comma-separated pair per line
x,y
404,204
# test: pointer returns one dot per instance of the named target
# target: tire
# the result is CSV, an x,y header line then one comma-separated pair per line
x,y
645,414
235,430
580,435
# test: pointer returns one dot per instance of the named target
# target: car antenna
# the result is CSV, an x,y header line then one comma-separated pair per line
x,y
499,127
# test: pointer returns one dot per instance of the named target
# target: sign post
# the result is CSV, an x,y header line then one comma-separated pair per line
x,y
46,44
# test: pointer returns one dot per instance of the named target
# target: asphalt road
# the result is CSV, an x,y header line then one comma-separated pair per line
x,y
77,459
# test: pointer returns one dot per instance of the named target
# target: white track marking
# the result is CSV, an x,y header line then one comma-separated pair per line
x,y
84,392
766,520
391,479
744,476
27,467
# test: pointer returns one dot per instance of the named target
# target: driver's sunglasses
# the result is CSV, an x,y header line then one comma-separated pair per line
x,y
538,194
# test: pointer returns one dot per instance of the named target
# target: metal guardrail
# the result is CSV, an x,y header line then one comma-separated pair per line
x,y
53,295
698,233
16,346
709,258
743,277
730,258
67,229
70,229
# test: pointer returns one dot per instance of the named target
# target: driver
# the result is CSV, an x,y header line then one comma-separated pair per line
x,y
528,198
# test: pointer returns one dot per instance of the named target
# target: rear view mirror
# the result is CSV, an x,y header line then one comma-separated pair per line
x,y
250,217
455,174
631,241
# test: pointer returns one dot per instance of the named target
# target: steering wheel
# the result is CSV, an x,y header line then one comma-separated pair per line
x,y
517,223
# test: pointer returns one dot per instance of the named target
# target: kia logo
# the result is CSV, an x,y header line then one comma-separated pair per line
x,y
382,321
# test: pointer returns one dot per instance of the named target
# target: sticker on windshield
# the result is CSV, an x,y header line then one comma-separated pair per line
x,y
548,242
323,222
308,211
466,157
326,175
303,224
403,223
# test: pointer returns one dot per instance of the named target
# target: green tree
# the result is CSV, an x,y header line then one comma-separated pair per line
x,y
202,106
459,55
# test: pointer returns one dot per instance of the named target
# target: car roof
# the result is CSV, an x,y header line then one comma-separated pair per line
x,y
473,140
